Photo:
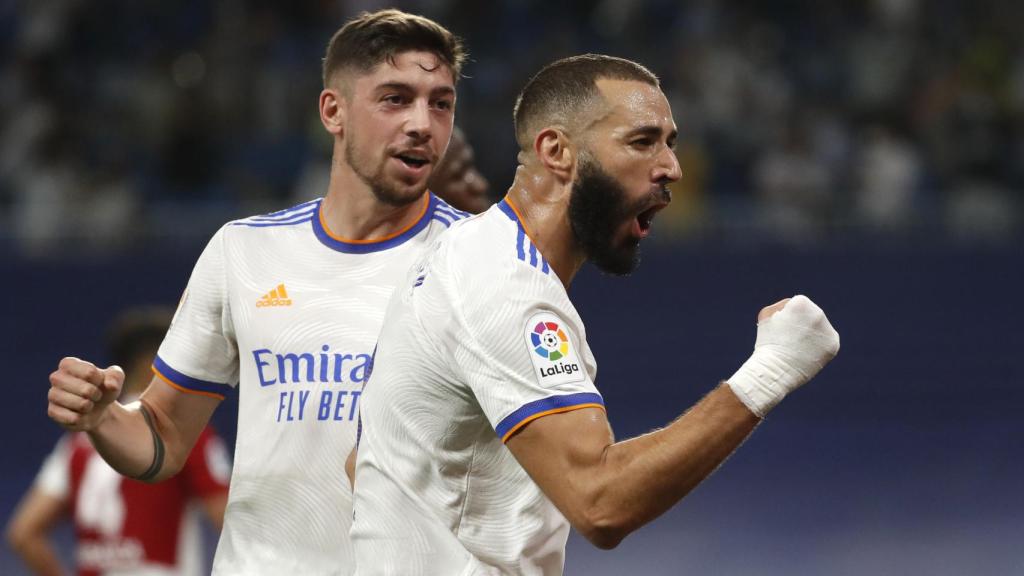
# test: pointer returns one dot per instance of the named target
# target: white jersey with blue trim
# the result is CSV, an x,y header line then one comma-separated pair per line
x,y
481,340
288,312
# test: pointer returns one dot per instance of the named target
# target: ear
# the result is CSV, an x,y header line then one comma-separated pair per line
x,y
556,152
333,108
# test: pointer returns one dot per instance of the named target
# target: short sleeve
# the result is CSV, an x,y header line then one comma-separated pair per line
x,y
199,354
525,355
208,469
55,475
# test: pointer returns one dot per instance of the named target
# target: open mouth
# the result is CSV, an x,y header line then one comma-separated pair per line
x,y
646,218
413,159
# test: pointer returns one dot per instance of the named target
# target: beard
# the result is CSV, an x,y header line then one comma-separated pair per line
x,y
597,209
390,193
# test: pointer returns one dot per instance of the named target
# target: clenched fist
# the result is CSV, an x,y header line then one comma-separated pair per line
x,y
794,342
80,393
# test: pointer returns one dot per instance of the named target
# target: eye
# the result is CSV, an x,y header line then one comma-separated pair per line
x,y
443,104
393,99
642,142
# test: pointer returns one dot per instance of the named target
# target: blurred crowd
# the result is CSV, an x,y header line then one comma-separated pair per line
x,y
125,123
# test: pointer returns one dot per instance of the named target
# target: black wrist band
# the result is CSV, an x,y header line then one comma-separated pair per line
x,y
158,448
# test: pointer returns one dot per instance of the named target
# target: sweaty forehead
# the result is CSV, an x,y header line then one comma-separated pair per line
x,y
629,104
415,63
406,68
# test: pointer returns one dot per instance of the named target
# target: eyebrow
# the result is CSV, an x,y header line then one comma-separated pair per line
x,y
403,87
651,130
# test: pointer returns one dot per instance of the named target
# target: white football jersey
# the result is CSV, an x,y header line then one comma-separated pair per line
x,y
289,312
481,340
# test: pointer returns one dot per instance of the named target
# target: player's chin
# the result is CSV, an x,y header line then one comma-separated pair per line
x,y
398,193
618,258
416,182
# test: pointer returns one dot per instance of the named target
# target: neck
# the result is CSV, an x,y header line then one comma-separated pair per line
x,y
351,210
542,204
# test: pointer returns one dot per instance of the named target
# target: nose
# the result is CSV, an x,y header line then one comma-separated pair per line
x,y
668,169
417,123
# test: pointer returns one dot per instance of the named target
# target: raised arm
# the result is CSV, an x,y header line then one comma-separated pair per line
x,y
607,489
149,439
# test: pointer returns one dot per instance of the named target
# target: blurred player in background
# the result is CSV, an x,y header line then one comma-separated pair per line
x,y
123,526
288,306
456,179
484,436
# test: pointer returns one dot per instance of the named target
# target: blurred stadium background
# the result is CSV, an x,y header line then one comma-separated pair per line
x,y
868,153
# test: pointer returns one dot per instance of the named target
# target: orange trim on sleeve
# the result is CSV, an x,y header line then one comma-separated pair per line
x,y
323,224
182,388
533,417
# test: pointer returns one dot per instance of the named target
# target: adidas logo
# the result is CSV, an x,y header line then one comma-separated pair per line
x,y
276,297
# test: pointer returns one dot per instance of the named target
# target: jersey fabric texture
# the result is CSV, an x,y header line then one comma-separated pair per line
x,y
123,526
481,340
282,308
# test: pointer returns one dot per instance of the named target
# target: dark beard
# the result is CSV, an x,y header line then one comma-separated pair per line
x,y
597,209
384,193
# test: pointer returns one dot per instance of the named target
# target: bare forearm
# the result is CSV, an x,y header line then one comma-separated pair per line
x,y
125,440
149,439
642,477
608,489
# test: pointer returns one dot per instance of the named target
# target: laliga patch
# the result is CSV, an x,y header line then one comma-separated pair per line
x,y
554,356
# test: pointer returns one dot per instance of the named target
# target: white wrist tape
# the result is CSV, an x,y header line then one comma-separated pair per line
x,y
792,346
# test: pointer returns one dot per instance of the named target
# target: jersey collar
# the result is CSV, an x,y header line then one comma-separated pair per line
x,y
334,242
512,212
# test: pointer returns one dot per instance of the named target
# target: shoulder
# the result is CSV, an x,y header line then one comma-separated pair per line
x,y
480,244
271,227
492,262
433,222
496,241
298,214
443,212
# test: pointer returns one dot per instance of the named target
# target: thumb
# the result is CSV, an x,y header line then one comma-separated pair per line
x,y
113,381
769,311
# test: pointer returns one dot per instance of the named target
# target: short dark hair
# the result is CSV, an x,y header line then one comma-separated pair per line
x,y
375,37
568,85
137,331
